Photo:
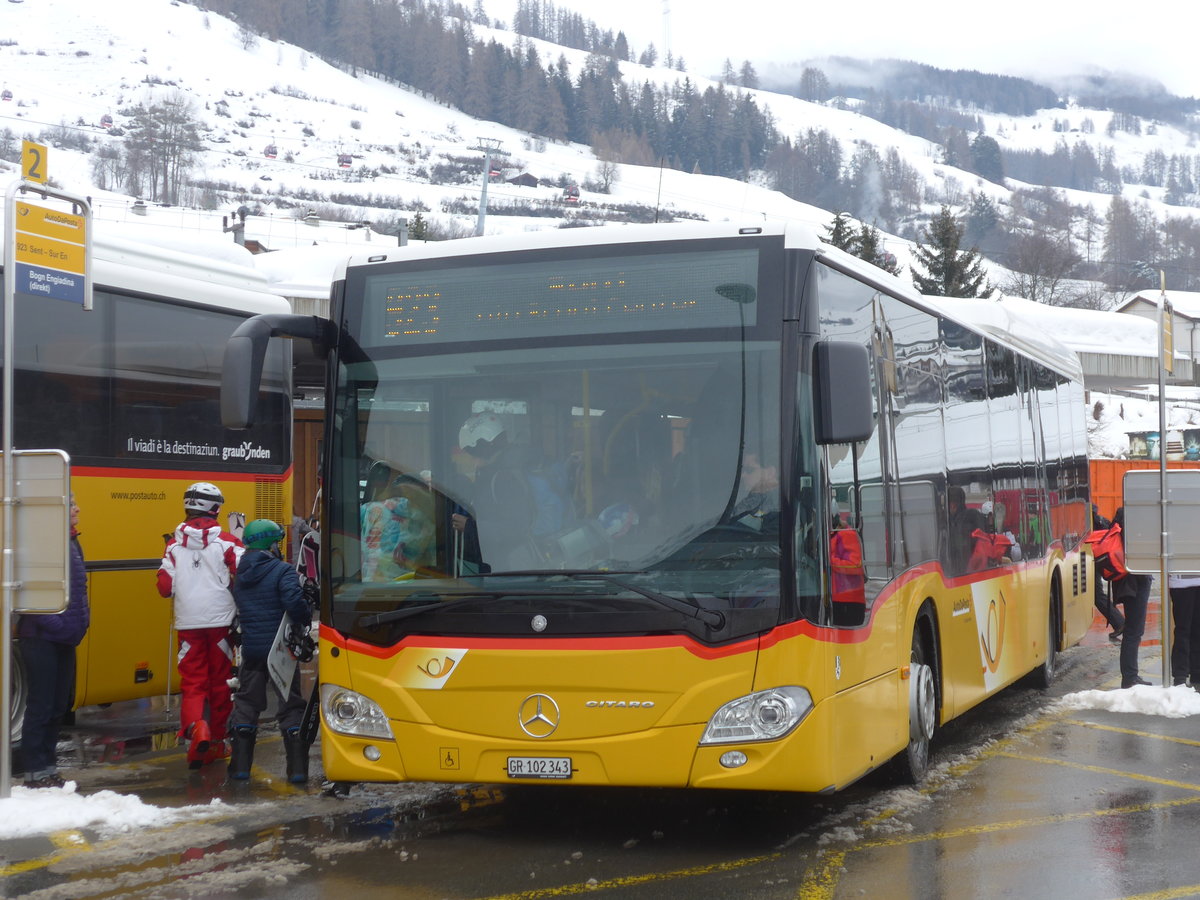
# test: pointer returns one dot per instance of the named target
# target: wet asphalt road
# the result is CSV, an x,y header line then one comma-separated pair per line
x,y
1026,800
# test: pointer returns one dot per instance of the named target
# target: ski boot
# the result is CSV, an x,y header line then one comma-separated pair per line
x,y
242,755
216,750
199,739
297,756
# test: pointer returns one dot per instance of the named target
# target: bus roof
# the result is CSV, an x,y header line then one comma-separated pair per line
x,y
1014,322
796,234
221,282
998,322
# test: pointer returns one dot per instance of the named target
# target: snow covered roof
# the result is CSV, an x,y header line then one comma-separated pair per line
x,y
1185,303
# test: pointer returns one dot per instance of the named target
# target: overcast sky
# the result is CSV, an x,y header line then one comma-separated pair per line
x,y
1153,38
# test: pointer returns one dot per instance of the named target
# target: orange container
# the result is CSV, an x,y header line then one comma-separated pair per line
x,y
1109,474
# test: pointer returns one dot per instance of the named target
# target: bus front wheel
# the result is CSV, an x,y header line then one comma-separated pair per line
x,y
912,763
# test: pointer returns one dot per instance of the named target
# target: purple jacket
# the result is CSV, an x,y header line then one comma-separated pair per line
x,y
70,625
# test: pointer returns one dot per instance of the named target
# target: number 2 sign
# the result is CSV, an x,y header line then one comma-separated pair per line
x,y
33,162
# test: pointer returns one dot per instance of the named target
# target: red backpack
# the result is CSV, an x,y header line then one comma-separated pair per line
x,y
1109,550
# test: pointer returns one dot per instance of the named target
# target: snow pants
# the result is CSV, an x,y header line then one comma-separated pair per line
x,y
205,665
251,699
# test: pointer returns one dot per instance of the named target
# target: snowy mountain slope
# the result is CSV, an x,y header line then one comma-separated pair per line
x,y
67,63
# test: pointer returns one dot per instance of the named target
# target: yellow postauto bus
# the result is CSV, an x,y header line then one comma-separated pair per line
x,y
130,390
685,505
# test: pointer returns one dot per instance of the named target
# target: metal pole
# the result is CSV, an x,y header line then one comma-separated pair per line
x,y
10,281
487,167
8,568
489,147
1164,591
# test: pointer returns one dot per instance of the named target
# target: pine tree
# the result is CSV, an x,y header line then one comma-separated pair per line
x,y
748,77
1121,244
814,85
949,272
840,233
986,159
868,246
982,218
418,228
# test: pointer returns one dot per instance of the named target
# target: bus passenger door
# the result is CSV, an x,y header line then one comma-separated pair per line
x,y
859,605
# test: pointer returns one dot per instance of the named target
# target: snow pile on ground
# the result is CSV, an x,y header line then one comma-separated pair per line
x,y
33,811
1151,700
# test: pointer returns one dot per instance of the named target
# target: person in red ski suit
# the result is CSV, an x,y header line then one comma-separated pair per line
x,y
197,570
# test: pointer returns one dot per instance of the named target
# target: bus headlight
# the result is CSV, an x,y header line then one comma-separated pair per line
x,y
761,716
349,712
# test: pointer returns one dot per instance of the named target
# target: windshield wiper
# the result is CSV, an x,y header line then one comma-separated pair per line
x,y
430,601
420,604
427,602
711,617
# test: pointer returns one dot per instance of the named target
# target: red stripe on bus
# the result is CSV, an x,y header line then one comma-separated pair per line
x,y
484,643
822,633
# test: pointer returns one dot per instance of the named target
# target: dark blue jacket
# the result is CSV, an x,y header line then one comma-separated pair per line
x,y
69,626
265,588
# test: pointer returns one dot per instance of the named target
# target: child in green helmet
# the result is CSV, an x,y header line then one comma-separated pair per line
x,y
266,589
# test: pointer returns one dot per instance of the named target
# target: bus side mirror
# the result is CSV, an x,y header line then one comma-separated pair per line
x,y
842,392
241,371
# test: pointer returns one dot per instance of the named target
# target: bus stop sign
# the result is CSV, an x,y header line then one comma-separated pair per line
x,y
1145,543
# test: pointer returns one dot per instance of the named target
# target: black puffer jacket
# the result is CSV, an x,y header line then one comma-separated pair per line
x,y
265,589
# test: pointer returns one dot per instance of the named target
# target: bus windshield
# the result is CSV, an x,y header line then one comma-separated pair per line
x,y
633,474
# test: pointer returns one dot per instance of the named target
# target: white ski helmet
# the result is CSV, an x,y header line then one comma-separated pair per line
x,y
202,499
480,428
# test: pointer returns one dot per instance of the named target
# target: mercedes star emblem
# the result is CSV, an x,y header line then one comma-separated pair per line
x,y
538,716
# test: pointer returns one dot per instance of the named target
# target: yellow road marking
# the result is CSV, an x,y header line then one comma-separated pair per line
x,y
69,840
73,842
1132,731
1102,770
1032,822
821,884
75,850
1169,894
956,771
567,890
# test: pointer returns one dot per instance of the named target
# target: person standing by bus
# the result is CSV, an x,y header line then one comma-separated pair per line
x,y
1185,647
1102,598
266,590
48,648
1133,592
197,570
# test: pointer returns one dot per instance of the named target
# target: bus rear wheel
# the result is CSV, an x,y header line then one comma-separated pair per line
x,y
1043,676
912,764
